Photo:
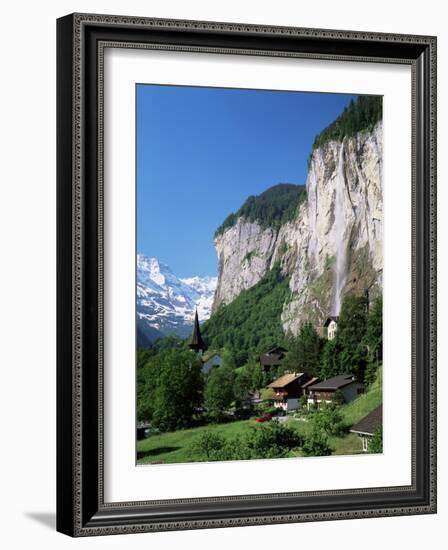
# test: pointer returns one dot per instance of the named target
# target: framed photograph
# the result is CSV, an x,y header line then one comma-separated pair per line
x,y
246,274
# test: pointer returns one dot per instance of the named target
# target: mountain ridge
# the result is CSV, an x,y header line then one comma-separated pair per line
x,y
165,303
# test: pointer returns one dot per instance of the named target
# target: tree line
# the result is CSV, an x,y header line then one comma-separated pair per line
x,y
359,115
272,208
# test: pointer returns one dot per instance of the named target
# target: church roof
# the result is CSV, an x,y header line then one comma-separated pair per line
x,y
196,342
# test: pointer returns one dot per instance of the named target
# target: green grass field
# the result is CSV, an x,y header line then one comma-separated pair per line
x,y
175,447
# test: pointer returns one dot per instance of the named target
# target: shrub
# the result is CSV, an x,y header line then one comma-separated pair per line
x,y
328,419
375,445
316,443
207,444
273,440
236,448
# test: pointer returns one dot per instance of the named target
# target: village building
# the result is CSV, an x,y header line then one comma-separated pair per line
x,y
344,387
305,387
196,342
212,362
331,326
288,390
366,427
272,358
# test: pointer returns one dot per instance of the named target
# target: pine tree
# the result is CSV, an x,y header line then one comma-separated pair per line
x,y
374,339
304,351
352,327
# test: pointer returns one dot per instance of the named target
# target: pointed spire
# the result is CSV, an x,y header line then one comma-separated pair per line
x,y
196,342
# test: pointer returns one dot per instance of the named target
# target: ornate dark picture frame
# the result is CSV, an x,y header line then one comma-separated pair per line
x,y
81,39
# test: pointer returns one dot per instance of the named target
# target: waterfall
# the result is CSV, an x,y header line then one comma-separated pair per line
x,y
312,214
339,229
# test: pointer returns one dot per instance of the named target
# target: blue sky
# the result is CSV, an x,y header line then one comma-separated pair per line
x,y
202,151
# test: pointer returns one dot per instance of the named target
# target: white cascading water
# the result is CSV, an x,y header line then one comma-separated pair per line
x,y
339,229
312,213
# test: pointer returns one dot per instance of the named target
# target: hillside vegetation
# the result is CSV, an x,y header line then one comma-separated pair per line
x,y
359,115
274,207
251,323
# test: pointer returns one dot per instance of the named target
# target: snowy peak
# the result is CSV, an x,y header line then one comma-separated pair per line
x,y
166,303
154,274
205,288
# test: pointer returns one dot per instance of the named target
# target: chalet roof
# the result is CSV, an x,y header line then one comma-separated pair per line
x,y
273,356
335,383
285,380
196,342
334,318
276,349
273,359
310,382
370,423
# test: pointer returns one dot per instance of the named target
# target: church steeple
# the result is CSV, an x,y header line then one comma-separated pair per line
x,y
196,342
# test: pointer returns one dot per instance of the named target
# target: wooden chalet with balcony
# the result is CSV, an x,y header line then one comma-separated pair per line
x,y
288,390
344,387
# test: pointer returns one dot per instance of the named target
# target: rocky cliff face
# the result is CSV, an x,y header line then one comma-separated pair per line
x,y
333,245
245,253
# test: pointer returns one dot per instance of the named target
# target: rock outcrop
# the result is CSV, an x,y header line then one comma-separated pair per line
x,y
333,245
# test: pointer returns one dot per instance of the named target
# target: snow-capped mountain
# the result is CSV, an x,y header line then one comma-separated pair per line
x,y
165,303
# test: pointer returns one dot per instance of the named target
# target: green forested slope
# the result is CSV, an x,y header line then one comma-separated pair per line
x,y
251,323
361,114
272,208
